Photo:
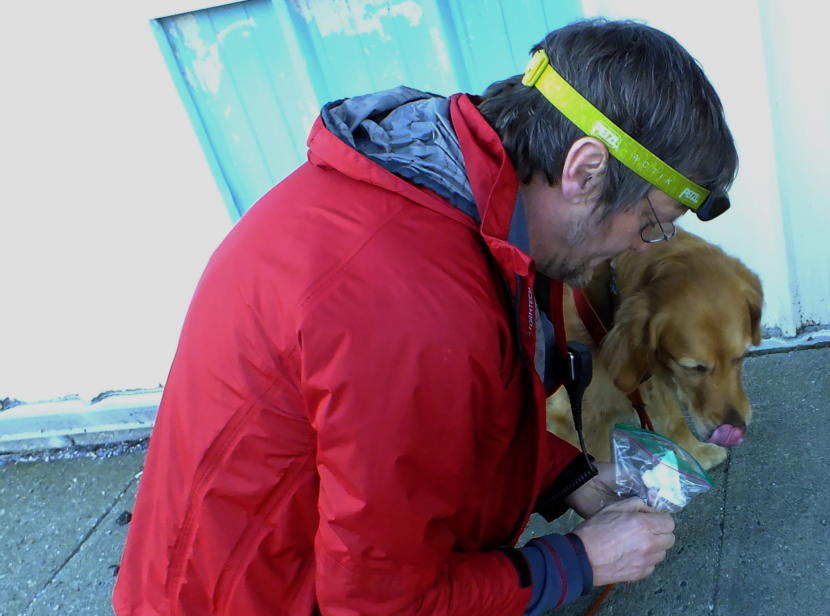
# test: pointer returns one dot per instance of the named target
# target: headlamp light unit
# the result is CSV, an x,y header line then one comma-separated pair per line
x,y
621,145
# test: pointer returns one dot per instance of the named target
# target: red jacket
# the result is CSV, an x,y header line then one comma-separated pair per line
x,y
349,419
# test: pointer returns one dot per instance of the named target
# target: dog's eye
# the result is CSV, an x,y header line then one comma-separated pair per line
x,y
692,366
697,368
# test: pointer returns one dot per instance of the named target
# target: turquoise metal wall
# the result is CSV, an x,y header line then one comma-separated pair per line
x,y
253,74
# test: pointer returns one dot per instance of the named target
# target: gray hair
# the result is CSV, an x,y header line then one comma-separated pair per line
x,y
640,78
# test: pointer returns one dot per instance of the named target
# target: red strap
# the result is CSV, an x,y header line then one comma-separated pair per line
x,y
590,318
593,323
640,406
598,602
557,315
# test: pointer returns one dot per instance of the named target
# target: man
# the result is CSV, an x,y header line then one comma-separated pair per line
x,y
354,422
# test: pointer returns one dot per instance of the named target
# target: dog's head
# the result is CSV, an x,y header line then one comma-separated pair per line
x,y
688,312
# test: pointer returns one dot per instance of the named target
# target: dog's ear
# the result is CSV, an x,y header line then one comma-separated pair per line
x,y
755,299
755,320
628,349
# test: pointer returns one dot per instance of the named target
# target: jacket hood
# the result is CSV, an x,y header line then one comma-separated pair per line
x,y
408,133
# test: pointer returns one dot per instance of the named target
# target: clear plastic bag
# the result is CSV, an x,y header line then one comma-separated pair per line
x,y
656,469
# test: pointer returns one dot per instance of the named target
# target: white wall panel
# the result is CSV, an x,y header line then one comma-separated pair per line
x,y
767,60
796,54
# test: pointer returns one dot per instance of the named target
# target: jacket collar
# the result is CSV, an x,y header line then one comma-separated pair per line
x,y
495,186
361,137
326,150
409,133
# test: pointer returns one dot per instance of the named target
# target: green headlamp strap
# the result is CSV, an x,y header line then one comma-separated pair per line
x,y
621,145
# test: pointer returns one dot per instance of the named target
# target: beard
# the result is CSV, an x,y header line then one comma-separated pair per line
x,y
572,268
579,277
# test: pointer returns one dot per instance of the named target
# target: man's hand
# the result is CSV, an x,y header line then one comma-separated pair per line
x,y
625,540
592,496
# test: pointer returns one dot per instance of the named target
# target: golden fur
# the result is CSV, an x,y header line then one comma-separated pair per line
x,y
685,313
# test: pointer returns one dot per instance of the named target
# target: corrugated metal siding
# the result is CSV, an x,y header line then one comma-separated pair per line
x,y
254,74
249,103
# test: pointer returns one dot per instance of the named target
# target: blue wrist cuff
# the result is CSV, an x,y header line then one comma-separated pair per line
x,y
582,557
559,570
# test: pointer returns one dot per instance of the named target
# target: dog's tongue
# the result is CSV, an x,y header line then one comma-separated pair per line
x,y
727,436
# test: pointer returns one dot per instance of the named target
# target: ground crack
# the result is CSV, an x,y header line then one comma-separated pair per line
x,y
721,539
81,543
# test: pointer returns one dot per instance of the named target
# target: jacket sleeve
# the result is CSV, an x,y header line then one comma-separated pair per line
x,y
393,380
562,478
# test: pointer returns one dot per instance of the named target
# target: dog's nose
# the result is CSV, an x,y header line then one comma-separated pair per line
x,y
734,418
731,432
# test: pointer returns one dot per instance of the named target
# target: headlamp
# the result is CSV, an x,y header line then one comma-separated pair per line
x,y
621,145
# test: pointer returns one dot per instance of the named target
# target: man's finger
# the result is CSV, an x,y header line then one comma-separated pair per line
x,y
660,523
632,504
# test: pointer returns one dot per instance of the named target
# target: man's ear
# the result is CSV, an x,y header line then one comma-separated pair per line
x,y
583,173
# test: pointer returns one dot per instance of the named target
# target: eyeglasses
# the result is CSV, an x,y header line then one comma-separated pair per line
x,y
656,231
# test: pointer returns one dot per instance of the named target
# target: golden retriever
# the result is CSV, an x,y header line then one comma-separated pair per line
x,y
684,315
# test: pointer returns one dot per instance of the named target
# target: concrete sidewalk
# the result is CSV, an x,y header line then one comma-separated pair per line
x,y
755,545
